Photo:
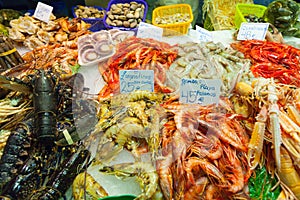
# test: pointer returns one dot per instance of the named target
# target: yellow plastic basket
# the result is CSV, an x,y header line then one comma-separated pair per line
x,y
179,28
247,9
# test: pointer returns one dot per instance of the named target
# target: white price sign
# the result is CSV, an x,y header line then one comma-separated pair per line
x,y
250,31
131,80
146,30
200,91
43,12
203,34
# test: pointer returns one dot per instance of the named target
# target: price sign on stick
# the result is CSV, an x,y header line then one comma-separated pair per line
x,y
146,30
200,91
43,12
131,80
249,31
203,34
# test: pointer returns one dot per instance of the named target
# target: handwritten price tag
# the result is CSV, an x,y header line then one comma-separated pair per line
x,y
131,80
200,91
203,34
146,30
249,31
43,12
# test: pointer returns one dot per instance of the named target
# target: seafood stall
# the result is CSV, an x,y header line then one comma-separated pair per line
x,y
97,106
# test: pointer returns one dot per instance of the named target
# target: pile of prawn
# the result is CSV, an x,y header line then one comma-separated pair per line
x,y
209,60
58,58
203,152
138,54
272,60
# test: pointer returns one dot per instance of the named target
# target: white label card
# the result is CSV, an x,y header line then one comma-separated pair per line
x,y
203,34
200,91
146,30
43,12
131,80
250,31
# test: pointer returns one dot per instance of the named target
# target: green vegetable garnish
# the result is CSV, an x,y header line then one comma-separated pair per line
x,y
75,68
261,186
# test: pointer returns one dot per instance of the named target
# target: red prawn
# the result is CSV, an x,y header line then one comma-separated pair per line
x,y
271,59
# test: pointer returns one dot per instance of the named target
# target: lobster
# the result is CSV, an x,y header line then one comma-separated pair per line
x,y
43,173
34,184
45,109
16,153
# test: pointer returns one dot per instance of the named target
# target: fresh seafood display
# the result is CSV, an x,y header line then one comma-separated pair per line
x,y
209,61
138,53
34,33
127,15
59,141
272,60
88,12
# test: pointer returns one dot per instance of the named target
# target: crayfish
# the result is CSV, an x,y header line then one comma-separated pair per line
x,y
38,162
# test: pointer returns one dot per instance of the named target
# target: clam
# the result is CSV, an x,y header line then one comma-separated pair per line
x,y
126,24
127,15
89,12
104,48
89,55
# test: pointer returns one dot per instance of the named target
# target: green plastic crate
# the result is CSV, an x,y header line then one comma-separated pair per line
x,y
247,9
